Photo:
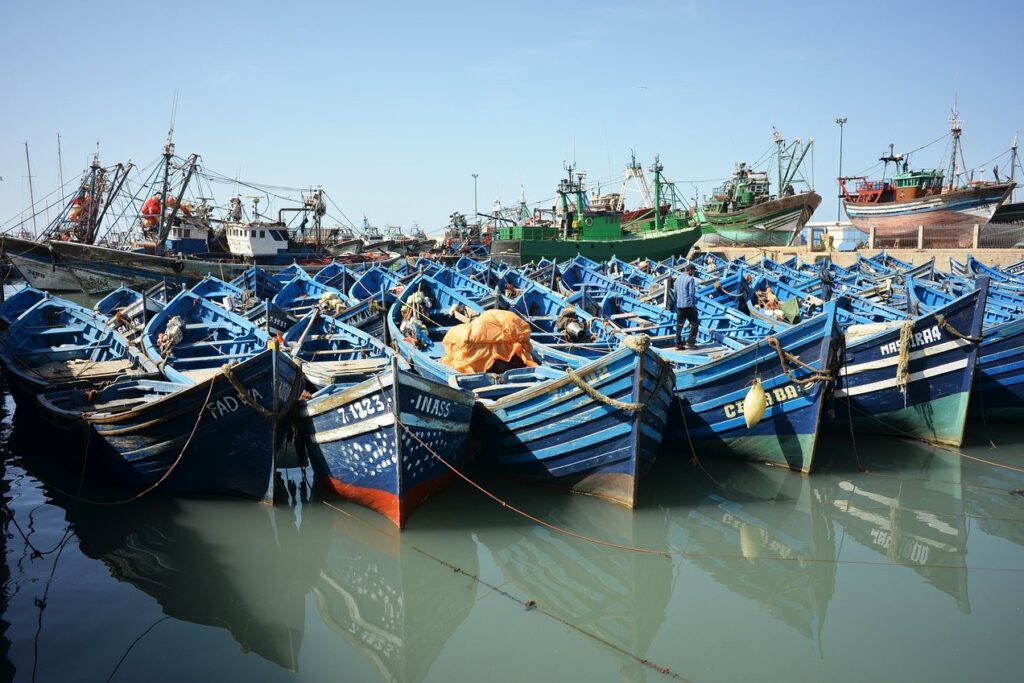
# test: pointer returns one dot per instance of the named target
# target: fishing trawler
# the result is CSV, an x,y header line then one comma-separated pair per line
x,y
599,227
744,212
78,220
897,205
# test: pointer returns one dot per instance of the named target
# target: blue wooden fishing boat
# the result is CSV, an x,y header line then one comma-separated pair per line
x,y
216,437
796,368
593,427
302,294
217,290
58,343
263,314
466,286
257,281
914,376
541,308
17,303
377,283
998,389
336,275
330,350
193,338
977,269
289,273
387,440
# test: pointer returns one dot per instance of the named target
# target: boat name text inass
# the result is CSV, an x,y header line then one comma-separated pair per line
x,y
771,397
433,406
229,404
919,339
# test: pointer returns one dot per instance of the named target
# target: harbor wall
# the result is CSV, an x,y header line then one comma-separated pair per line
x,y
992,257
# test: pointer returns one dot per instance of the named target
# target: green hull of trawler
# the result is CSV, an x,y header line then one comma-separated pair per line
x,y
771,224
525,244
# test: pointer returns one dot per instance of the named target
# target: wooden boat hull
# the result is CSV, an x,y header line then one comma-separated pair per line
x,y
559,434
901,219
40,266
998,390
99,270
711,398
933,406
658,246
233,448
57,343
772,223
365,441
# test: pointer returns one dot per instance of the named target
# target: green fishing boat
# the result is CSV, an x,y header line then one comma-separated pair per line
x,y
744,212
600,227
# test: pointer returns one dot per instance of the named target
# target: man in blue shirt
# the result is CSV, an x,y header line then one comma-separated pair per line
x,y
686,306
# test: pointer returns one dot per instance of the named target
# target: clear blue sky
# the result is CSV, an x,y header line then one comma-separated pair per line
x,y
393,105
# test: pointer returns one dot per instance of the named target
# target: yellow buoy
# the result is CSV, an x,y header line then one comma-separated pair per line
x,y
754,404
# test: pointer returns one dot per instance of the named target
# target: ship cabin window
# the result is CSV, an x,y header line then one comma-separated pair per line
x,y
262,234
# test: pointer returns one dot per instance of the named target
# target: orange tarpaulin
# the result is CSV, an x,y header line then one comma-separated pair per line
x,y
492,336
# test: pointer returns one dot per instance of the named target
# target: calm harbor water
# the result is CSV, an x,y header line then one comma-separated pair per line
x,y
912,570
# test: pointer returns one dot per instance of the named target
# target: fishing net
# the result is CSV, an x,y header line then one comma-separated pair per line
x,y
495,339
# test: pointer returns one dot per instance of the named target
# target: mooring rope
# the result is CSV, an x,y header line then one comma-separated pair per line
x,y
786,358
269,415
903,362
953,332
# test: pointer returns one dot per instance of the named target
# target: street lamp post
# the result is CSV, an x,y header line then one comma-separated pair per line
x,y
839,206
476,212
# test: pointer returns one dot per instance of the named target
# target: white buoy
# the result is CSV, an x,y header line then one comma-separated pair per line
x,y
754,404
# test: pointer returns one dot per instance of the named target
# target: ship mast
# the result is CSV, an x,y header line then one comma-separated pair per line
x,y
168,153
656,169
955,127
1013,159
31,194
779,142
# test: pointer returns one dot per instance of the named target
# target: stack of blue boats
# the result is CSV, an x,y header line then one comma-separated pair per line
x,y
194,392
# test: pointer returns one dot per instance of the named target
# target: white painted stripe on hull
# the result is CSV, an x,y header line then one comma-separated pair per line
x,y
386,420
914,376
913,355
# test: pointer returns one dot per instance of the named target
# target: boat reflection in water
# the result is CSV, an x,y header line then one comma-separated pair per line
x,y
908,508
209,562
614,595
775,519
995,500
386,593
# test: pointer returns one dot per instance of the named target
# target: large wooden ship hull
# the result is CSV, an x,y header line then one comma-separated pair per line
x,y
964,208
659,245
39,265
769,224
98,270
